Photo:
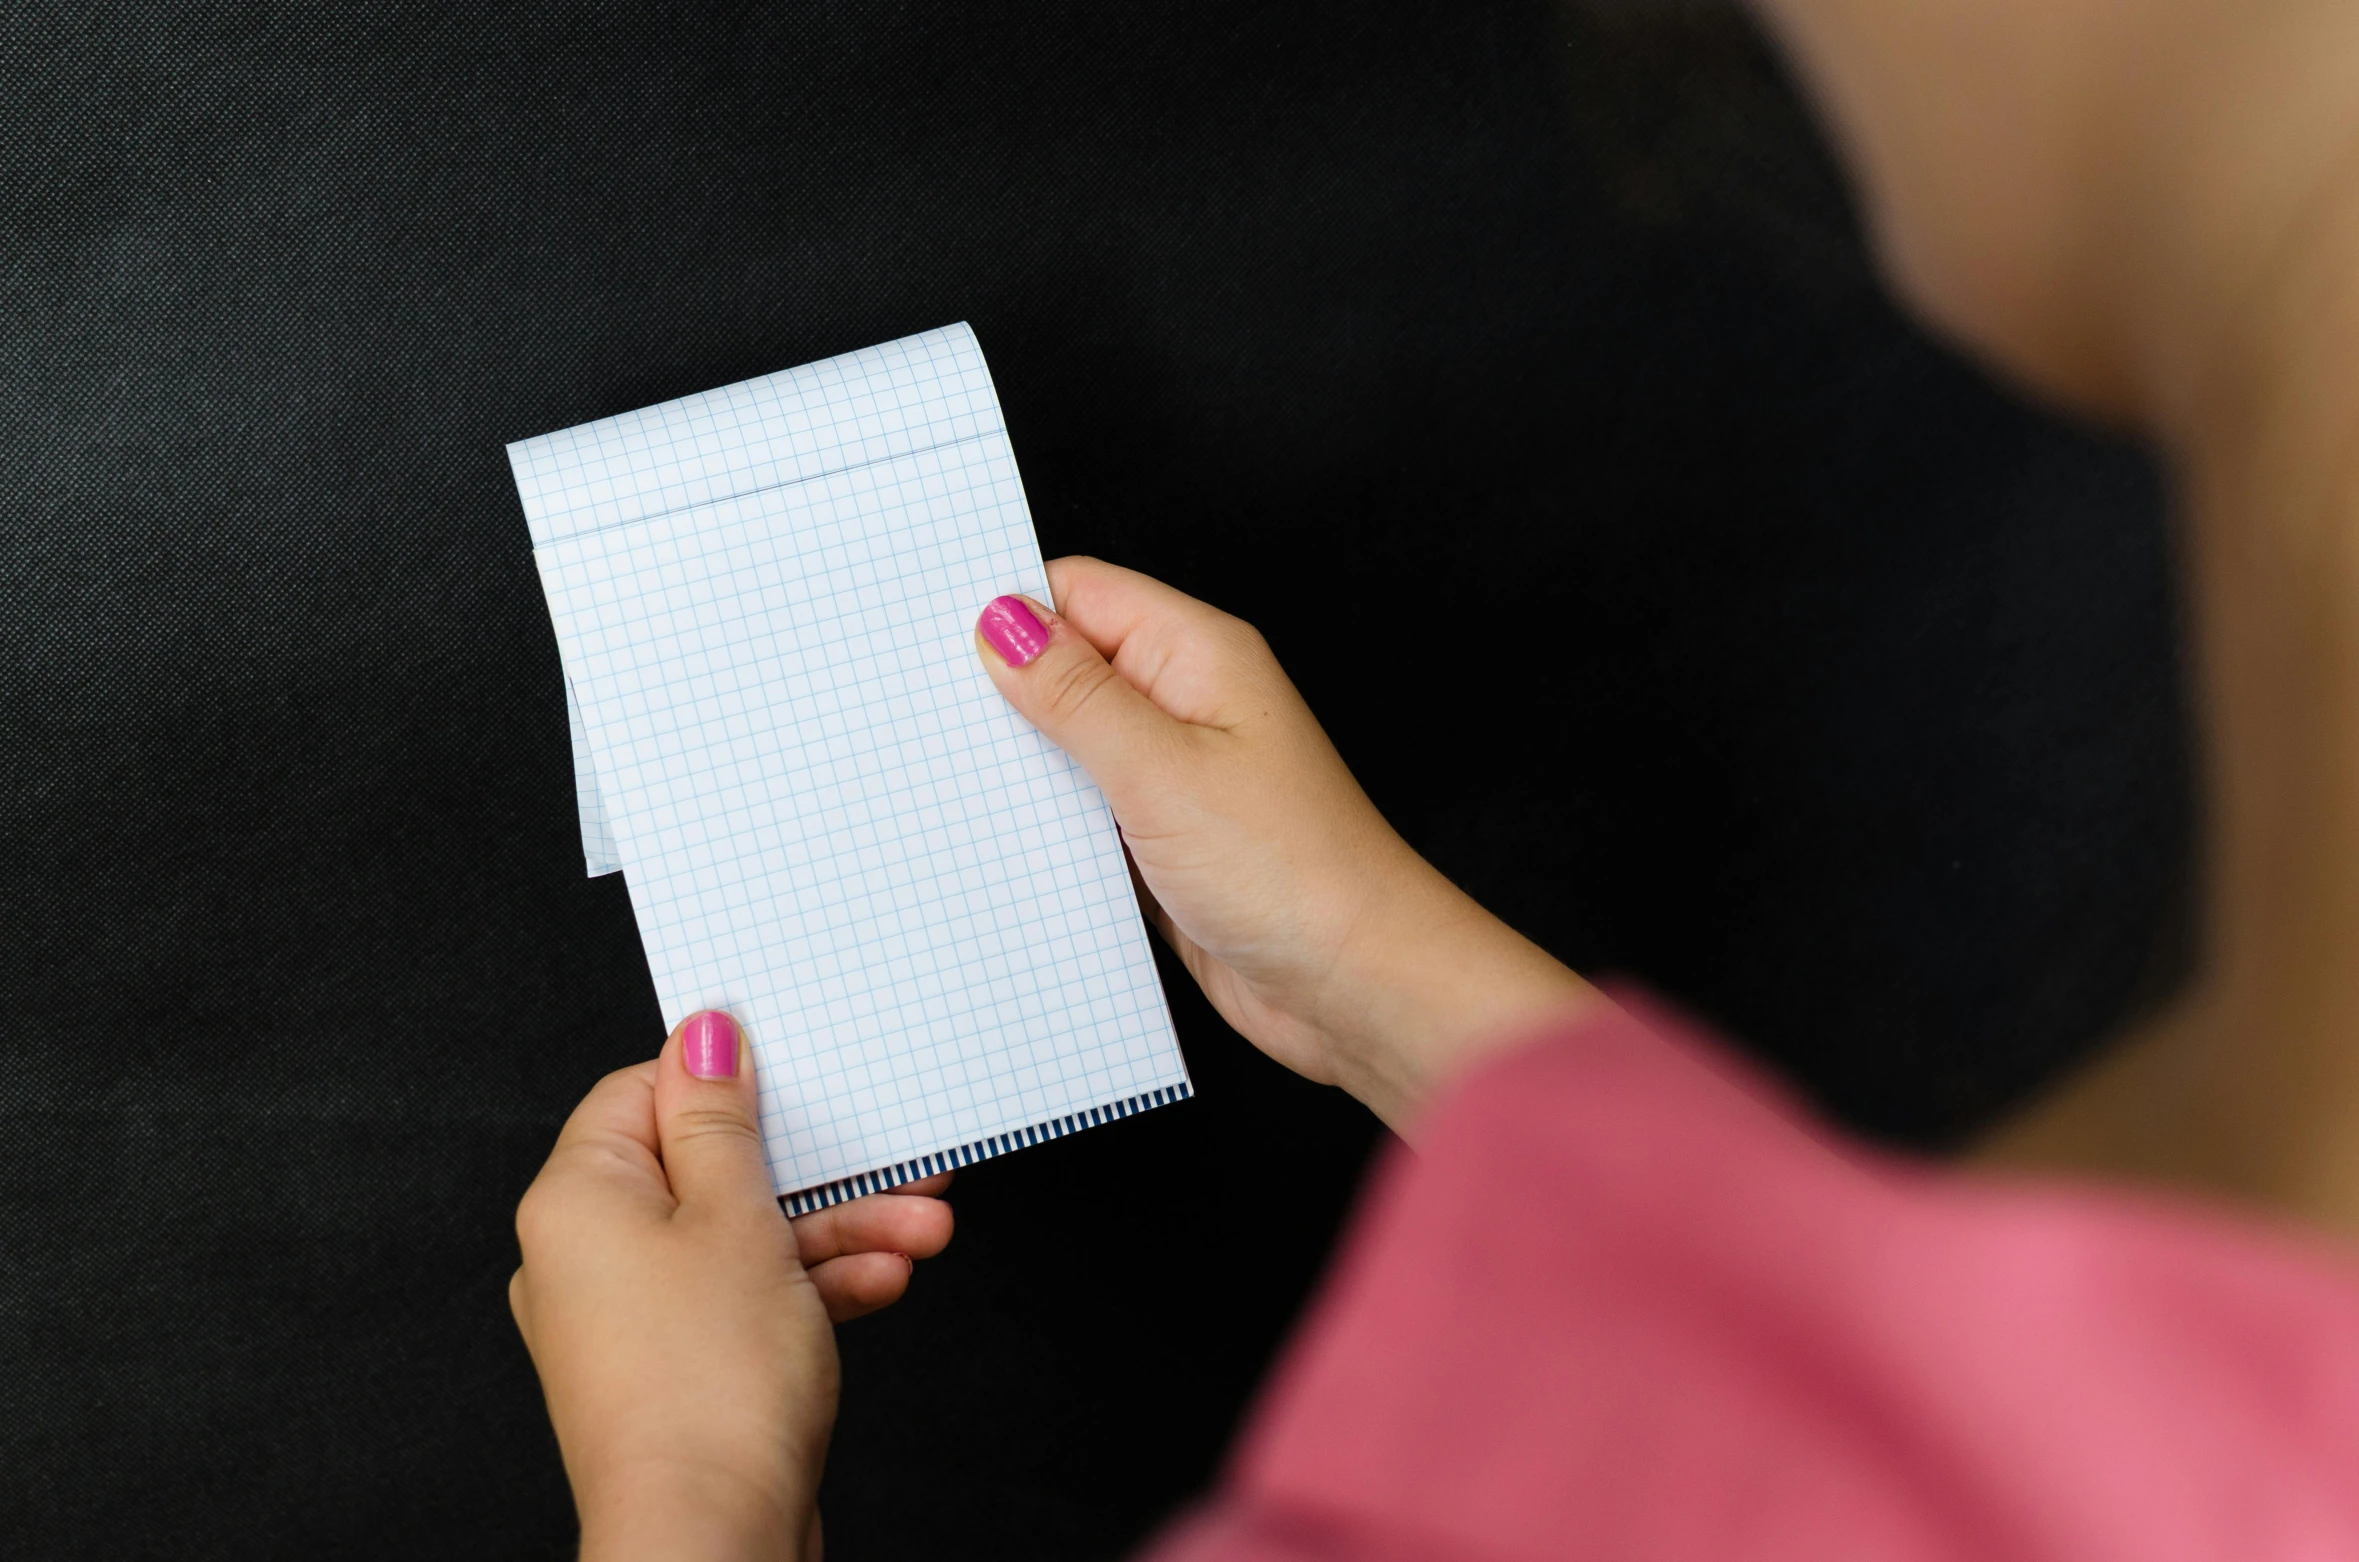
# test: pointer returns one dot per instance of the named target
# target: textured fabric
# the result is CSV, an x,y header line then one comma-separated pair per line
x,y
1627,1306
1818,682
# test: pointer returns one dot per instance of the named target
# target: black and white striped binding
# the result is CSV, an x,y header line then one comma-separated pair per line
x,y
809,1199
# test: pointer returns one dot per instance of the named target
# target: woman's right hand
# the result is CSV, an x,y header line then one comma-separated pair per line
x,y
1311,925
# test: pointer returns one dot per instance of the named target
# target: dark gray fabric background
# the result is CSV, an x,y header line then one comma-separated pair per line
x,y
1519,372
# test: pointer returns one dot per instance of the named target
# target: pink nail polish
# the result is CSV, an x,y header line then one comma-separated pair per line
x,y
1014,630
708,1045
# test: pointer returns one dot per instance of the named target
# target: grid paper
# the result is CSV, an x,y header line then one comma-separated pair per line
x,y
829,822
598,854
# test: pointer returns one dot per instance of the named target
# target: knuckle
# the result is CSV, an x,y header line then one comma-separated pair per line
x,y
620,1082
534,1216
1071,685
1244,645
693,1123
1073,569
555,1201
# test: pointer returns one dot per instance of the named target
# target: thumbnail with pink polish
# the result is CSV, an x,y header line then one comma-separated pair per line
x,y
1014,630
708,1045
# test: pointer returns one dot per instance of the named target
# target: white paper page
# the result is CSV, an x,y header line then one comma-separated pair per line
x,y
829,822
598,854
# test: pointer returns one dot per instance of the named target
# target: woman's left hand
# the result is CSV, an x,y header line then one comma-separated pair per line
x,y
680,1323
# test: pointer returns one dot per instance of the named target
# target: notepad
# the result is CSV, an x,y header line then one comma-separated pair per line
x,y
828,820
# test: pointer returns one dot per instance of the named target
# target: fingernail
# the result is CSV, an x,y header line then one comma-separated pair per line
x,y
1014,630
907,1262
708,1045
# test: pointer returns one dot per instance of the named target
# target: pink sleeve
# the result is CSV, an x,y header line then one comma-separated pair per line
x,y
1627,1306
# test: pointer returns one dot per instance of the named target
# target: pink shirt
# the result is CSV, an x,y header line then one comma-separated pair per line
x,y
1627,1305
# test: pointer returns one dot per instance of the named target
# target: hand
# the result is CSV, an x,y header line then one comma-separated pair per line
x,y
680,1323
1310,924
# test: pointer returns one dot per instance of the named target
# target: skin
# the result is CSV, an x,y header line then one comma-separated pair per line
x,y
1310,924
2149,210
681,1324
2145,210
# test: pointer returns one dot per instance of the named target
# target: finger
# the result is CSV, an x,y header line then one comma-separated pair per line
x,y
706,1115
928,1187
879,1223
1189,658
608,1151
619,1111
1063,686
859,1283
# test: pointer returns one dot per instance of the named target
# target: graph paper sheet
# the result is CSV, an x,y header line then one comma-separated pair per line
x,y
598,854
829,822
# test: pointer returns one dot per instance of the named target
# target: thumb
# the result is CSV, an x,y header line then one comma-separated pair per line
x,y
1072,694
707,1121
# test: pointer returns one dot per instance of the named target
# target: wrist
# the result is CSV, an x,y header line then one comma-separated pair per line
x,y
1428,983
709,1513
